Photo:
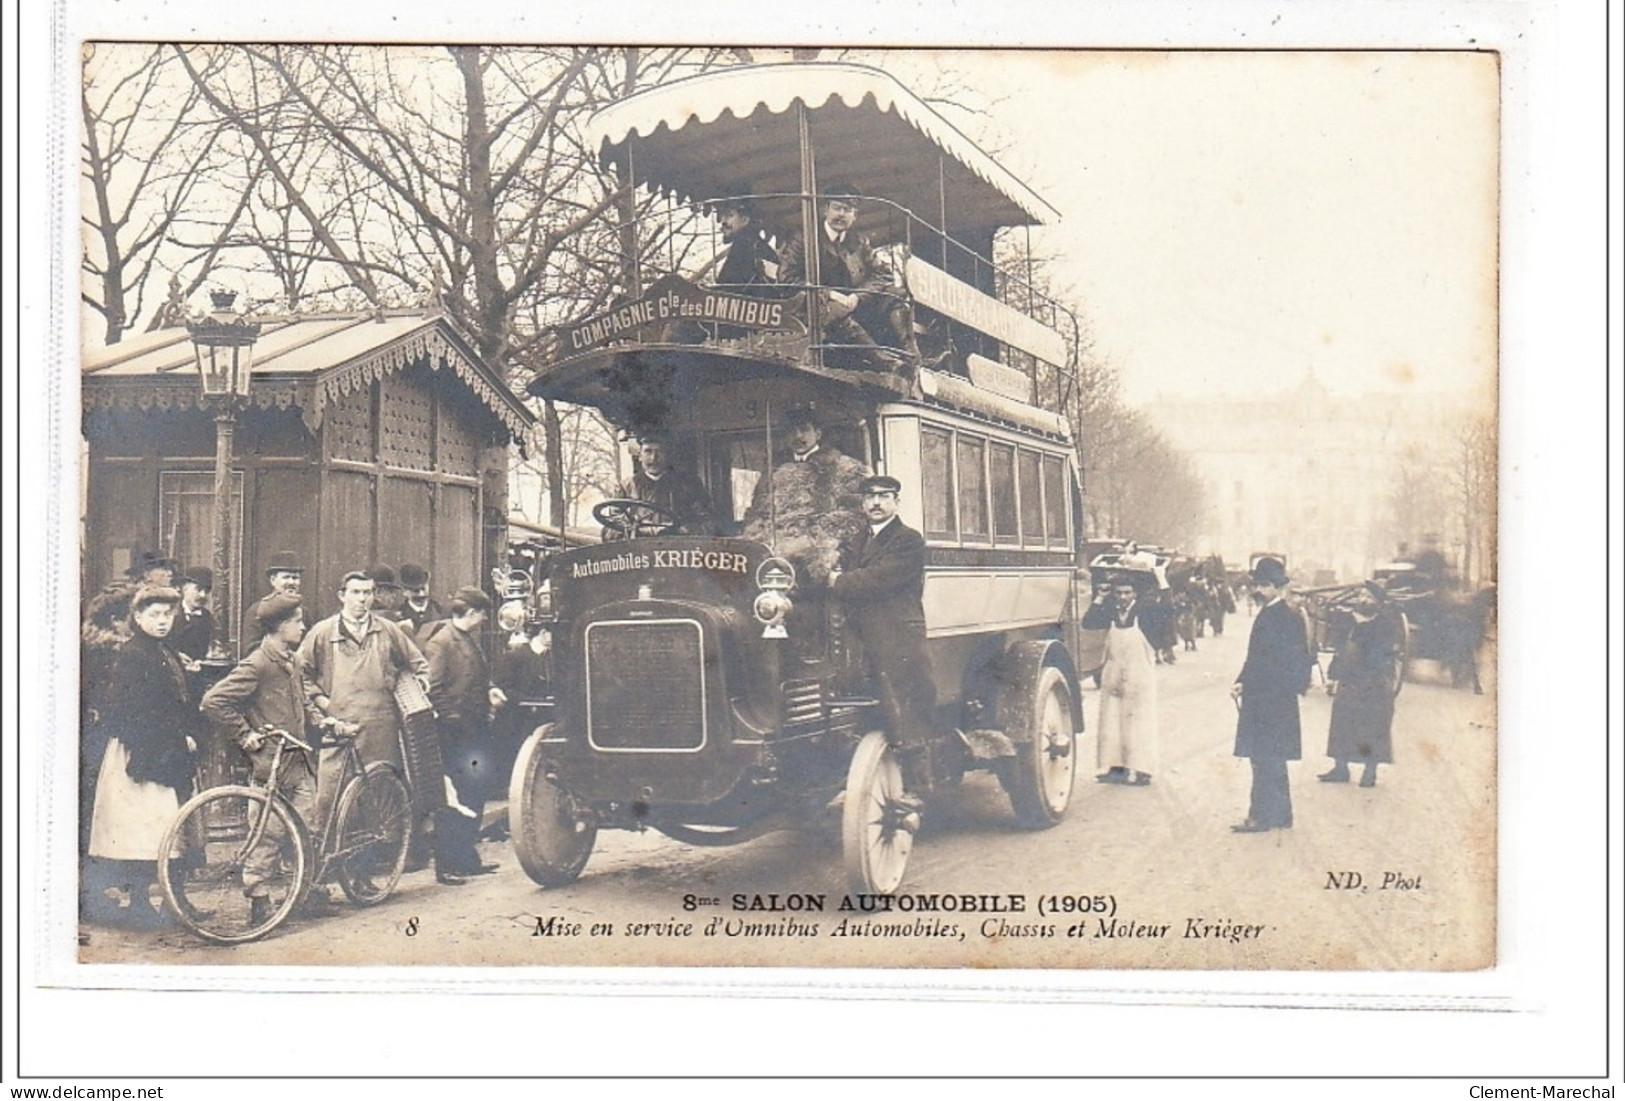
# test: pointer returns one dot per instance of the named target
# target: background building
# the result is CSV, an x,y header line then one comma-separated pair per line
x,y
1337,483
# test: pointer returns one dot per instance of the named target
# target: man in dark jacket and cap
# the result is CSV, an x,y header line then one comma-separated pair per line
x,y
283,574
882,586
1275,674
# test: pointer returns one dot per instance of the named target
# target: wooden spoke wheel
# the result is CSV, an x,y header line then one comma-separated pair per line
x,y
877,831
552,837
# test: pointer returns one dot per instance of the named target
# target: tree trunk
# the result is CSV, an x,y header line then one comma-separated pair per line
x,y
553,427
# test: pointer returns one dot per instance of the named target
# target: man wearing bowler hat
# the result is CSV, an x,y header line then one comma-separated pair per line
x,y
283,573
1275,674
193,633
418,607
882,587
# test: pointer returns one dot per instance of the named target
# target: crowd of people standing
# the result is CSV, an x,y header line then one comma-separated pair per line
x,y
148,713
1277,671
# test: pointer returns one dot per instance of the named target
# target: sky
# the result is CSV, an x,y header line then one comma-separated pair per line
x,y
1231,220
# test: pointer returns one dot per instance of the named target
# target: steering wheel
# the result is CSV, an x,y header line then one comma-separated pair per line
x,y
628,518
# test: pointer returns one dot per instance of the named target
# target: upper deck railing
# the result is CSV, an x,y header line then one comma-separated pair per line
x,y
969,313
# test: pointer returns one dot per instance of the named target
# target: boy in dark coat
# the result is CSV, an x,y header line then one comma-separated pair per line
x,y
1274,675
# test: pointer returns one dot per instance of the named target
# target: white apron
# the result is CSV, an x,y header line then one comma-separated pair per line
x,y
1128,736
130,817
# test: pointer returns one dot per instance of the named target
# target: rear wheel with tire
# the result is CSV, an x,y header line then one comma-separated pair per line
x,y
552,837
375,829
208,847
877,830
1041,777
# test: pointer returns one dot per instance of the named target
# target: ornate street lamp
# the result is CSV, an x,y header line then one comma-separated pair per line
x,y
224,344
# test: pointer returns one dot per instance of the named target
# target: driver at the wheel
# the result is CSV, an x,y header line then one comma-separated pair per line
x,y
656,481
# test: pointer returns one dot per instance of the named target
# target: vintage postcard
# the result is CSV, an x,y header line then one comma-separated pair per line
x,y
508,541
511,602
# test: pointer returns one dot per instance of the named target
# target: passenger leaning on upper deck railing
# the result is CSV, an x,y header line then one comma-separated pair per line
x,y
862,308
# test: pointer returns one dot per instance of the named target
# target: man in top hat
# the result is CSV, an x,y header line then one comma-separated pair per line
x,y
655,480
417,606
193,634
284,574
882,587
811,503
863,309
1274,675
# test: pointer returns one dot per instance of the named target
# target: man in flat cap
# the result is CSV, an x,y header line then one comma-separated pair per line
x,y
864,312
882,587
193,635
266,691
464,698
1275,674
283,574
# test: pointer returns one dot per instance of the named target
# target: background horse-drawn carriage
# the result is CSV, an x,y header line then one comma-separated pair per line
x,y
1443,623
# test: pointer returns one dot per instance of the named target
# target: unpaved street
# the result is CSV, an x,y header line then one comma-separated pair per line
x,y
1184,892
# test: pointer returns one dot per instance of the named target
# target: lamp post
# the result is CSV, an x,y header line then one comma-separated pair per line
x,y
224,344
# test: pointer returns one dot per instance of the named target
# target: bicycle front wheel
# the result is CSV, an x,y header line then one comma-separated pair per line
x,y
224,842
375,827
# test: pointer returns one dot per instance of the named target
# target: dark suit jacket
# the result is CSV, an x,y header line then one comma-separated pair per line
x,y
1275,673
850,265
882,589
192,636
459,676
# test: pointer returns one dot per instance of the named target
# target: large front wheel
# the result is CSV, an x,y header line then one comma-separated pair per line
x,y
551,836
224,842
877,830
1041,777
375,828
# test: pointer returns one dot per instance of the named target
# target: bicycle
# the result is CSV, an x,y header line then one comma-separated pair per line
x,y
363,845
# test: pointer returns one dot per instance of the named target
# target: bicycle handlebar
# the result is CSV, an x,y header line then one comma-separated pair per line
x,y
278,732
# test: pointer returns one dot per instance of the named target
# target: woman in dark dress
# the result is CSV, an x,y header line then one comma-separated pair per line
x,y
152,724
1362,677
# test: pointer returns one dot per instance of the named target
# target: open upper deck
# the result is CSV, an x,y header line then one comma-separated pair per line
x,y
933,205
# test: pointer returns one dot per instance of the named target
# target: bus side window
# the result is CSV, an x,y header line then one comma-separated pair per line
x,y
936,482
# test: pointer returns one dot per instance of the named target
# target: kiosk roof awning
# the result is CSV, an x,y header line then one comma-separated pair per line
x,y
302,360
710,136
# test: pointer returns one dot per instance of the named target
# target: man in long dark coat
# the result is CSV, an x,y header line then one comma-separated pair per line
x,y
464,697
1274,675
882,588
